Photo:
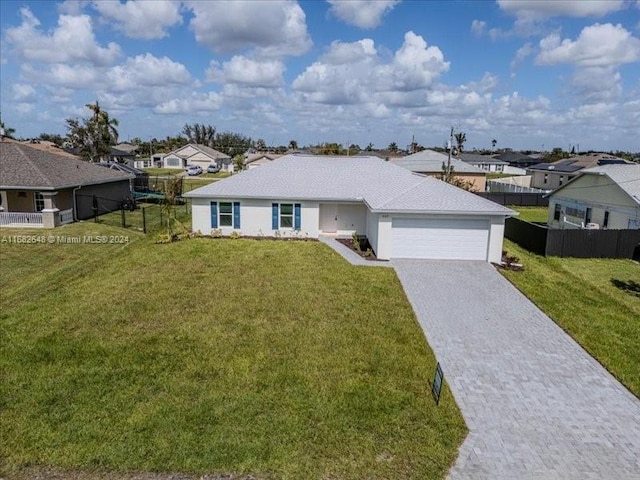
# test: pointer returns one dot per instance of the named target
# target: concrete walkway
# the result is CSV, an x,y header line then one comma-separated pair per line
x,y
349,255
536,404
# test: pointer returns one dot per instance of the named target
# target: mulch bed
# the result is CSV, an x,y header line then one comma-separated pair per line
x,y
364,245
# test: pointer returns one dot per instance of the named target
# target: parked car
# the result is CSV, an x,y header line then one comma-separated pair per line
x,y
194,170
213,168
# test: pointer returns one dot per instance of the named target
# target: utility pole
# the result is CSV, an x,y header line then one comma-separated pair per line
x,y
448,172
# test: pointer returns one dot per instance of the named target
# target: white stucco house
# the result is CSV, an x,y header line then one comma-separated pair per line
x,y
605,197
196,154
403,214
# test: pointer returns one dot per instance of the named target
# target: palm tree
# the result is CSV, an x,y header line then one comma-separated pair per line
x,y
200,134
460,137
293,145
393,147
493,144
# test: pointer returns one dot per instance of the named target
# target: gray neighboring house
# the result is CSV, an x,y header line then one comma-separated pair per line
x,y
485,162
41,188
549,176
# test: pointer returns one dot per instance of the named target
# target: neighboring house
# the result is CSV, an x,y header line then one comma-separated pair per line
x,y
41,188
127,147
254,160
119,156
484,162
430,162
606,197
196,154
402,214
517,159
549,176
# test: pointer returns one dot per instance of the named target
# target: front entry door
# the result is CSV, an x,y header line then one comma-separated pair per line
x,y
329,218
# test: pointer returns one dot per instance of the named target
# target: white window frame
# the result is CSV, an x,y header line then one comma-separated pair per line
x,y
225,215
38,198
292,215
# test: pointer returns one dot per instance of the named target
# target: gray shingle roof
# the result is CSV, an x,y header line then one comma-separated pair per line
x,y
480,158
22,166
430,161
383,186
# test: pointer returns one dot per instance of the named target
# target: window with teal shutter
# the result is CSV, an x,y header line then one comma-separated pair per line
x,y
296,220
214,215
236,214
274,216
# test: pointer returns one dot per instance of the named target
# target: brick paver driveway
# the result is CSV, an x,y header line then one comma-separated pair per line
x,y
536,404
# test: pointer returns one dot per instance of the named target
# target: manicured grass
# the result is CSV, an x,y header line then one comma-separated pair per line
x,y
271,358
597,301
163,171
192,183
532,214
496,175
217,175
155,217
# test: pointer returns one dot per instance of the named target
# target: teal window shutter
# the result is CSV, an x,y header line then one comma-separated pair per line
x,y
274,216
214,215
296,216
236,214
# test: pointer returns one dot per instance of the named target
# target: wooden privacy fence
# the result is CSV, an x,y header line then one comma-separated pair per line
x,y
573,242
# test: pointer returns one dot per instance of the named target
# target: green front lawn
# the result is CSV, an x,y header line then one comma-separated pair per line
x,y
531,214
163,171
271,358
596,301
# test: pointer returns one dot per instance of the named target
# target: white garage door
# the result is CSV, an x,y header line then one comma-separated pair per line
x,y
446,239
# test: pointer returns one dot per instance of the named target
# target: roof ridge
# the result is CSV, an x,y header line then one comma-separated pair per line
x,y
426,179
20,148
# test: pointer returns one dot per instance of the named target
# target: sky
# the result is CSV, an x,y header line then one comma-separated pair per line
x,y
529,74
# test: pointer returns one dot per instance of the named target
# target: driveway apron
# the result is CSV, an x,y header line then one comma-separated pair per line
x,y
536,404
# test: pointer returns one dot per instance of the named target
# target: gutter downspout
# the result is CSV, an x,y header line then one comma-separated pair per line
x,y
75,203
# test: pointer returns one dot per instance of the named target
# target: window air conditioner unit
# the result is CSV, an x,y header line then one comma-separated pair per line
x,y
592,226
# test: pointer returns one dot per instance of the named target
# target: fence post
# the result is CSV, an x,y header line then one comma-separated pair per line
x,y
161,216
122,218
144,220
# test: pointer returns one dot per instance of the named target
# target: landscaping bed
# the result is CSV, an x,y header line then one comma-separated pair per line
x,y
360,245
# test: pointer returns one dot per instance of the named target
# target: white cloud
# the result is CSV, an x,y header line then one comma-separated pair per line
x,y
361,13
274,28
147,71
23,93
597,84
148,19
567,8
596,46
345,52
244,71
521,55
71,41
197,103
73,7
354,73
478,27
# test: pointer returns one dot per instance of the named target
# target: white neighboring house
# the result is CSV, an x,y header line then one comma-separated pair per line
x,y
254,160
608,197
403,214
196,154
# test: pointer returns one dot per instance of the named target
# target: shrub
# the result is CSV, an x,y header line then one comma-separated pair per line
x,y
235,234
217,233
355,242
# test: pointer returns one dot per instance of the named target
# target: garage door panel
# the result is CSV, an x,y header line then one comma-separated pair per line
x,y
446,239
